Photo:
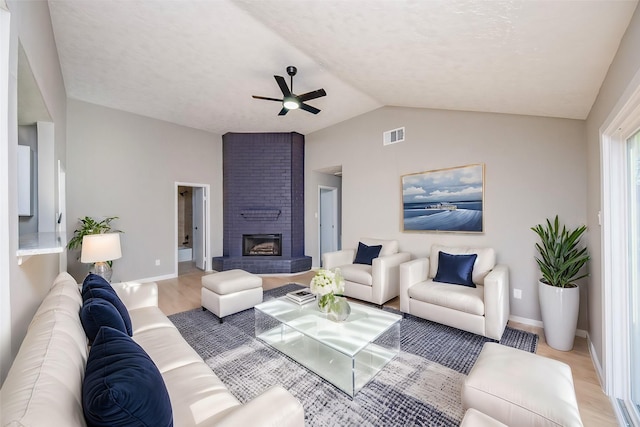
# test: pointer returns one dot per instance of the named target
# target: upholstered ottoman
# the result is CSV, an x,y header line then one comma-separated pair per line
x,y
230,291
521,389
474,418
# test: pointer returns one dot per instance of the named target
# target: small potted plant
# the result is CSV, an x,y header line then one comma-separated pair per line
x,y
561,260
89,225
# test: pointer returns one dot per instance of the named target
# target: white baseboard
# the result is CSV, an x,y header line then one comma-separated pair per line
x,y
525,321
596,363
622,420
538,323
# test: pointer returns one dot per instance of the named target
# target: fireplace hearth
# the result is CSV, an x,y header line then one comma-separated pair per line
x,y
261,244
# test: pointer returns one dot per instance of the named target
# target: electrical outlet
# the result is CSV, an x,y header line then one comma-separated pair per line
x,y
517,293
157,262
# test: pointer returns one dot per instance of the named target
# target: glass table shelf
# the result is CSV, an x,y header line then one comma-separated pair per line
x,y
347,354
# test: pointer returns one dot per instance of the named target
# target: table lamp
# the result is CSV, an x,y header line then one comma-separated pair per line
x,y
100,248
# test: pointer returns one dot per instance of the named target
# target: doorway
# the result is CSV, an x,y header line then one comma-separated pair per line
x,y
192,227
620,219
328,219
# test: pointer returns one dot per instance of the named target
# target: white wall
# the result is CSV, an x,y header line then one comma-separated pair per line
x,y
624,68
534,168
126,165
27,284
8,110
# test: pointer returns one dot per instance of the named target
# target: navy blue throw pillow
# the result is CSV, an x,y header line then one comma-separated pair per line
x,y
122,386
93,281
455,269
366,254
97,287
98,312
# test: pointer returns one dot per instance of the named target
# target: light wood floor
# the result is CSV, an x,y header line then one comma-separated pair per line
x,y
183,293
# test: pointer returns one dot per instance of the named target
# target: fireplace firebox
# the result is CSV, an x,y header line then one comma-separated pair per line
x,y
262,244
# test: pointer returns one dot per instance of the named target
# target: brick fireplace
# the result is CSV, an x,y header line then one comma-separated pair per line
x,y
263,194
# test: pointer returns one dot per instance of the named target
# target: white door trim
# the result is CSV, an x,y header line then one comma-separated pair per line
x,y
198,200
334,196
207,221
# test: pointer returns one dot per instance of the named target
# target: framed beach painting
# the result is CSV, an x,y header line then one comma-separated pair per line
x,y
444,200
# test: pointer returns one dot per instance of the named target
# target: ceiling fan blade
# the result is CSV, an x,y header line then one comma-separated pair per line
x,y
283,112
312,95
264,97
309,108
283,85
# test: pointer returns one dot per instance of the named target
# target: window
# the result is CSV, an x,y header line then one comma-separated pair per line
x,y
633,150
620,177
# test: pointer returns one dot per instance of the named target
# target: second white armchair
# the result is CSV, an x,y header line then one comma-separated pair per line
x,y
377,282
478,302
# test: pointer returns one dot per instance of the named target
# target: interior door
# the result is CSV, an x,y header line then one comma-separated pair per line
x,y
328,219
199,195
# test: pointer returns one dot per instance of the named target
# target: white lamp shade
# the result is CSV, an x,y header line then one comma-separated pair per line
x,y
100,247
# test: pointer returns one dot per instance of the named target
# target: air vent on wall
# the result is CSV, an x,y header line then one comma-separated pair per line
x,y
393,136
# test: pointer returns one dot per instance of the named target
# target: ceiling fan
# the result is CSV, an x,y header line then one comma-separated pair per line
x,y
291,101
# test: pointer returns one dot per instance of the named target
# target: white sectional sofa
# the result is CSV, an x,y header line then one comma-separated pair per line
x,y
44,385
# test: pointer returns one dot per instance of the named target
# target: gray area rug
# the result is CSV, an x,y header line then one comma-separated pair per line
x,y
420,387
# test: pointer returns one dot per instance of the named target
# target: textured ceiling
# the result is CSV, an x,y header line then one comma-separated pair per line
x,y
197,63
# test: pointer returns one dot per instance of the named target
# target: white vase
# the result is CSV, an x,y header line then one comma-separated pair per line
x,y
324,301
339,309
559,308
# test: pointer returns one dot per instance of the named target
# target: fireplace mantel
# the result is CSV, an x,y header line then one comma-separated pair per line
x,y
260,214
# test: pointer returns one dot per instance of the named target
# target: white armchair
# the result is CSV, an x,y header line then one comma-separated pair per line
x,y
483,310
376,283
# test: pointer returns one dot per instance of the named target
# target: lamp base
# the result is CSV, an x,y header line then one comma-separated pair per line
x,y
102,269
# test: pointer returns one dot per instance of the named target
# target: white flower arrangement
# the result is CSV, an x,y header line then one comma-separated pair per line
x,y
327,284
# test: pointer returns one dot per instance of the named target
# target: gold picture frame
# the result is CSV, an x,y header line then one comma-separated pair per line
x,y
444,200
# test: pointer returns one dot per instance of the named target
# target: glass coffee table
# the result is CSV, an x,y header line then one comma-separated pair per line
x,y
347,354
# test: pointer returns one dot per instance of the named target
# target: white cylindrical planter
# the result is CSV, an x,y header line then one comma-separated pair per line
x,y
559,308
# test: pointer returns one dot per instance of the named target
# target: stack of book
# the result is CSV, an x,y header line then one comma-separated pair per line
x,y
301,296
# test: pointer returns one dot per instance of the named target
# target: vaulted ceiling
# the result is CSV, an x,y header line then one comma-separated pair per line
x,y
198,62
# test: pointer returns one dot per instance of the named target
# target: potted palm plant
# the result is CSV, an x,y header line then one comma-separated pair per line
x,y
561,259
89,225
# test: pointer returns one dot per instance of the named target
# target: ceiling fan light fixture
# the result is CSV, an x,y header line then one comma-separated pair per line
x,y
290,103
